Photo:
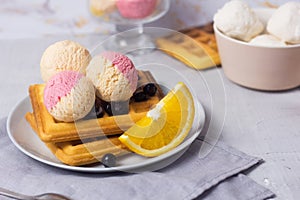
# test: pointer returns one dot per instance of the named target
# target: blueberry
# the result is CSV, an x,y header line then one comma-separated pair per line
x,y
150,89
98,108
139,96
120,107
99,112
96,111
115,108
109,160
107,108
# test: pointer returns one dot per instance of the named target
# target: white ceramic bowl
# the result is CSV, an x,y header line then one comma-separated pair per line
x,y
257,67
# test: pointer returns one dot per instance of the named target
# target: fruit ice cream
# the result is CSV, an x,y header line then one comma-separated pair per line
x,y
267,41
99,7
64,55
285,23
136,9
69,96
236,19
113,75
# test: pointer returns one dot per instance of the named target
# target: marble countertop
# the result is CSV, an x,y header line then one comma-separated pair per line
x,y
46,18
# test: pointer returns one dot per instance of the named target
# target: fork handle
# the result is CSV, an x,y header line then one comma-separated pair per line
x,y
14,195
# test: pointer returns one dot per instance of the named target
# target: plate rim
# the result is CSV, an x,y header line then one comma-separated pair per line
x,y
184,145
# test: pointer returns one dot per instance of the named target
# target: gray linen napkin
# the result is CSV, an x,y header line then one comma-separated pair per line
x,y
216,176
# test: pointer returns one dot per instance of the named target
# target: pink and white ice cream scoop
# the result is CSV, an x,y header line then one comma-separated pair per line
x,y
114,76
69,96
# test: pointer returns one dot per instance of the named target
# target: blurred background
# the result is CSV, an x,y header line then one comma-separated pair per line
x,y
44,18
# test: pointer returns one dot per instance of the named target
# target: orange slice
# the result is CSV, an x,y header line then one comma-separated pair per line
x,y
165,126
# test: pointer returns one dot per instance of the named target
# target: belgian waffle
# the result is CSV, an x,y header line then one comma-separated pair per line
x,y
50,130
82,152
196,47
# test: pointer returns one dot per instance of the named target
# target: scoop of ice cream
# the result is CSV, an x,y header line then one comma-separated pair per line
x,y
136,9
64,55
267,41
99,7
69,96
113,75
236,19
285,23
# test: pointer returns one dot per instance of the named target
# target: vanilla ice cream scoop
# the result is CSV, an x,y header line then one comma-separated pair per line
x,y
267,40
285,23
64,55
113,75
69,96
237,20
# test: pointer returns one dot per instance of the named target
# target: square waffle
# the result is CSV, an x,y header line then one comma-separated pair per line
x,y
53,131
77,153
197,48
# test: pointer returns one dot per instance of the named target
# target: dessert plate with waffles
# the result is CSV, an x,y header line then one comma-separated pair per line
x,y
102,114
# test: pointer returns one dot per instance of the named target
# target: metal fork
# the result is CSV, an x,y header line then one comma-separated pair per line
x,y
45,196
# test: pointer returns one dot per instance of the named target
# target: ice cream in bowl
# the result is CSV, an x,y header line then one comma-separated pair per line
x,y
260,47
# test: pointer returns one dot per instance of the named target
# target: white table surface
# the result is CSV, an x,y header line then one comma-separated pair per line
x,y
263,124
